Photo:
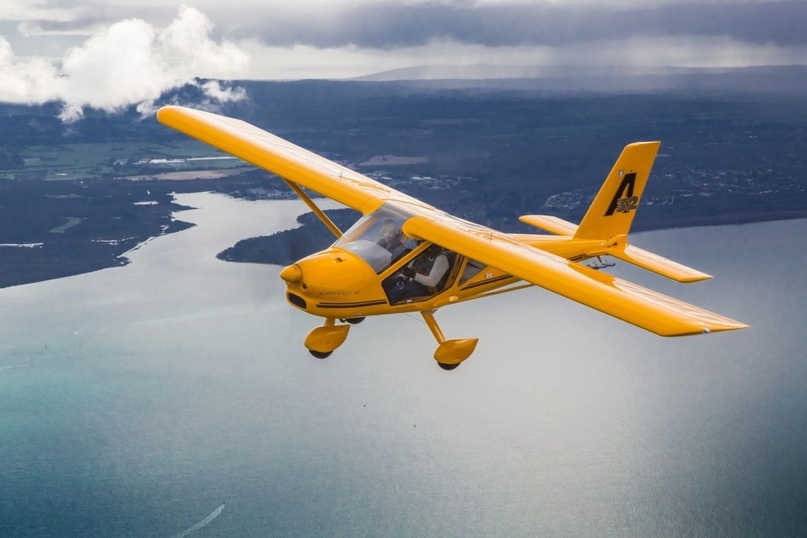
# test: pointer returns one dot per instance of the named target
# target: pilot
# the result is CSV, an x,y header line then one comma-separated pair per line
x,y
422,276
392,238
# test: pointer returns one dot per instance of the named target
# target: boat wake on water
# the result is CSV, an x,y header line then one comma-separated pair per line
x,y
213,515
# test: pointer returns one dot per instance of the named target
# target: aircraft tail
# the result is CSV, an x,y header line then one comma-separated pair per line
x,y
610,216
612,211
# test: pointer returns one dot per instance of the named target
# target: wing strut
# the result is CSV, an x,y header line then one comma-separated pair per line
x,y
317,211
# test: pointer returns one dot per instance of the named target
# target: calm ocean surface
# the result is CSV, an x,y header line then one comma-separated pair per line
x,y
135,401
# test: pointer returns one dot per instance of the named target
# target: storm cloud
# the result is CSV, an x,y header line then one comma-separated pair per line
x,y
48,47
389,26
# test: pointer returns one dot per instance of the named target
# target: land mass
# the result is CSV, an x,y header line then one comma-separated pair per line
x,y
56,229
75,197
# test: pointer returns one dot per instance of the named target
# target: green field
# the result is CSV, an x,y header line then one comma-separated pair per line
x,y
95,160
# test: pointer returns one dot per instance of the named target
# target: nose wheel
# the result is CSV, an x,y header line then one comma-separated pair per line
x,y
322,341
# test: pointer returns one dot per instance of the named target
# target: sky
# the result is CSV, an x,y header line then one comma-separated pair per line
x,y
110,54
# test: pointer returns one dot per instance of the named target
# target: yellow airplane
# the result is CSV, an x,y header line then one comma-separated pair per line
x,y
406,256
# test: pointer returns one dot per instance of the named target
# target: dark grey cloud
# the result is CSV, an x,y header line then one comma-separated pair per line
x,y
388,26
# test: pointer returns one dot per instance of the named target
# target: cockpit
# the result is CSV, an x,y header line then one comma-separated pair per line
x,y
377,238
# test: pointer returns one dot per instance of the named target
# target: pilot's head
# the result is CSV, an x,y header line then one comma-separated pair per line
x,y
433,251
390,230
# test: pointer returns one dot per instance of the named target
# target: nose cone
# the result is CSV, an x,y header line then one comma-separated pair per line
x,y
334,283
292,274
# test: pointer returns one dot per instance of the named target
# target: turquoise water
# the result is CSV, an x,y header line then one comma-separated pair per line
x,y
135,401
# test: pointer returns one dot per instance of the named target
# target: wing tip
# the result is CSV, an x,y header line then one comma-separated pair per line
x,y
165,113
171,113
730,325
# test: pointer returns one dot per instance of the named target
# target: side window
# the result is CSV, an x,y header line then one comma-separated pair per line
x,y
426,275
471,269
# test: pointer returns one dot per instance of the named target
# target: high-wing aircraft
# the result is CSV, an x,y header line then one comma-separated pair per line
x,y
404,255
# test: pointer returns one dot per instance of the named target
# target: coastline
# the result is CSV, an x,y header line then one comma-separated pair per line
x,y
285,247
69,254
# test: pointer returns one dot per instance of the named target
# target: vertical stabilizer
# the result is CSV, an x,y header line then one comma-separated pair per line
x,y
611,213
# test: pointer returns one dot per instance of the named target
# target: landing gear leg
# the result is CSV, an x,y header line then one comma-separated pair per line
x,y
321,341
450,353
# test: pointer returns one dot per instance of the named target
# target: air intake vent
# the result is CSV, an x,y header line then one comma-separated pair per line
x,y
297,301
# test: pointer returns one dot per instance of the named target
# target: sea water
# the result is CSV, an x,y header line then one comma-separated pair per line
x,y
136,401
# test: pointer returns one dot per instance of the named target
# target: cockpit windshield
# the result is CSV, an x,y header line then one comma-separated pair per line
x,y
377,238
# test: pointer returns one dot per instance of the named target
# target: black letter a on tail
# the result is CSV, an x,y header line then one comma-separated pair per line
x,y
624,202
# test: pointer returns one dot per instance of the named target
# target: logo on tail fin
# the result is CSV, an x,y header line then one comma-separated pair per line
x,y
624,201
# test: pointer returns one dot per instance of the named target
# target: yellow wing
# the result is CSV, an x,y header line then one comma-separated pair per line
x,y
642,307
629,302
283,158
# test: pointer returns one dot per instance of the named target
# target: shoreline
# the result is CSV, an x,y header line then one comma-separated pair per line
x,y
283,248
63,255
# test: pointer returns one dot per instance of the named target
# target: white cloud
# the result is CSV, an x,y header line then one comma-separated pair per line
x,y
187,42
223,94
27,82
130,62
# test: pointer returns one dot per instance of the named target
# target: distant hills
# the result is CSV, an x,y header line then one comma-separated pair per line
x,y
606,79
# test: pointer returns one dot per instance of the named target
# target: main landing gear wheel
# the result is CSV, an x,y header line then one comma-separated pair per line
x,y
450,353
352,321
320,354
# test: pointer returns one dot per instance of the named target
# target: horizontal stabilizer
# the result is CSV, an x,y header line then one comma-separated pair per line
x,y
550,224
658,264
627,253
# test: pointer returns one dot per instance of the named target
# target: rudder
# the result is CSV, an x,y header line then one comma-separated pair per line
x,y
612,211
